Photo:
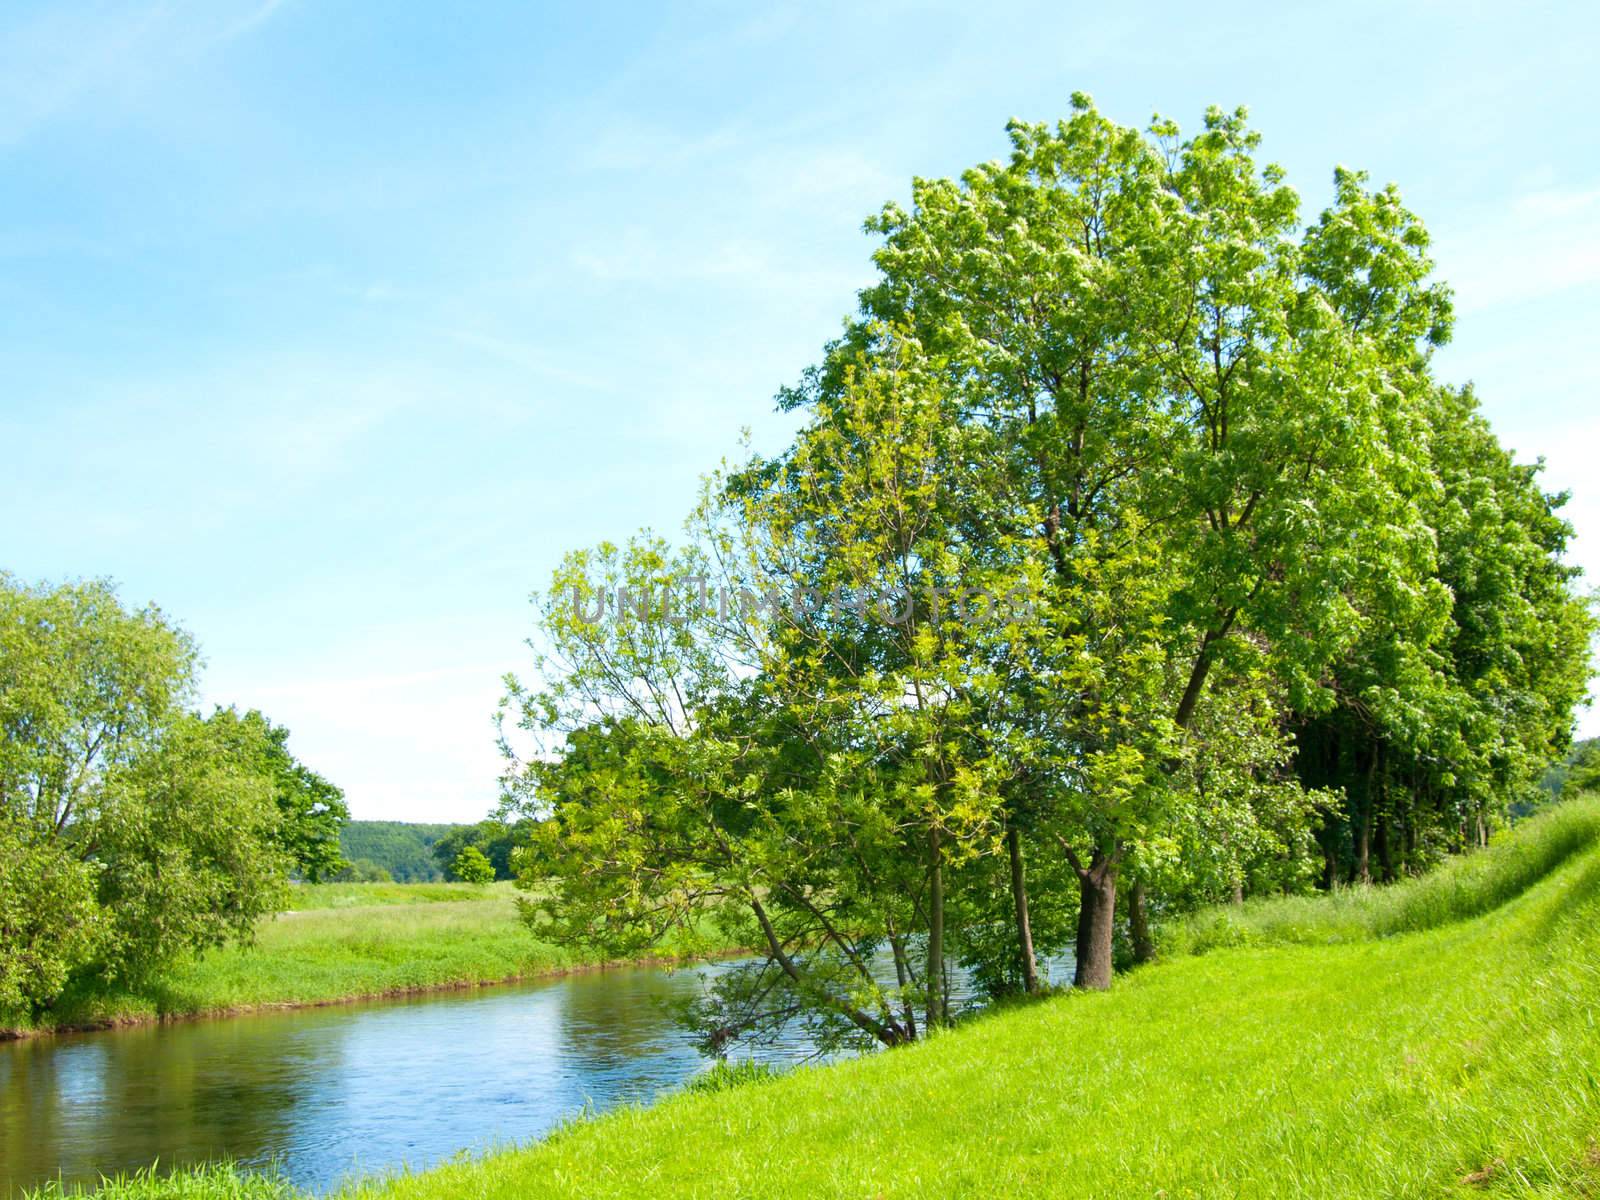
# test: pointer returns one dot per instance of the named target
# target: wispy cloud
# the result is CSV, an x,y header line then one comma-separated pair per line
x,y
75,54
251,21
1536,245
530,358
48,62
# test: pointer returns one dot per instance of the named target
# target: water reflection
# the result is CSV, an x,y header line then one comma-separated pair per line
x,y
328,1091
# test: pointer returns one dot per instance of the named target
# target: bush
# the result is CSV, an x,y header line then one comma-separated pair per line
x,y
362,870
470,866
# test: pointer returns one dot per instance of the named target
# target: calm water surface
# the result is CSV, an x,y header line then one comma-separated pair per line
x,y
330,1091
325,1093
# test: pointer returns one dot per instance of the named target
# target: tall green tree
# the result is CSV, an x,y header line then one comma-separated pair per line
x,y
86,685
1181,407
1281,583
1444,723
678,791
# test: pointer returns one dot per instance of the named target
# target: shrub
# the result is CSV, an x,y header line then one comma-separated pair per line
x,y
470,866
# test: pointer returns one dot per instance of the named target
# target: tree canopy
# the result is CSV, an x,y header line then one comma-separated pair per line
x,y
1127,541
132,830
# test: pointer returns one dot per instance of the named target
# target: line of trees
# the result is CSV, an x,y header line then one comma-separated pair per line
x,y
132,829
491,839
393,850
1294,617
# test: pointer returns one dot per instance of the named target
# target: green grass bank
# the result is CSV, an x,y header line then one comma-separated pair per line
x,y
344,942
1350,1059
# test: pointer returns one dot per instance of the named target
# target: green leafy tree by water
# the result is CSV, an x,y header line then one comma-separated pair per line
x,y
134,831
1120,371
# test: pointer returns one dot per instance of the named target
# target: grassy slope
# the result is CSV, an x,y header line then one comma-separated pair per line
x,y
1462,888
1463,1059
345,941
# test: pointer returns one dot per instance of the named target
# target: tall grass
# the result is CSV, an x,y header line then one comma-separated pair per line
x,y
1463,887
215,1182
304,896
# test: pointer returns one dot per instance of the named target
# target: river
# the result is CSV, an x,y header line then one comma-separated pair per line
x,y
323,1093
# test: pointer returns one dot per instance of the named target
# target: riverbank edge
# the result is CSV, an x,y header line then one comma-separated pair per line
x,y
137,1020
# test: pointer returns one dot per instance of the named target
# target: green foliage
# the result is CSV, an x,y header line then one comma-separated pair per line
x,y
1583,770
363,870
49,921
188,842
470,866
1446,719
496,840
137,832
312,812
403,848
85,686
1552,784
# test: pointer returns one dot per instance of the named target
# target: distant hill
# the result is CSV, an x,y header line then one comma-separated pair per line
x,y
402,848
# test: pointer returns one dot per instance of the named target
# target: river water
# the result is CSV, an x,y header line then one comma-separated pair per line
x,y
323,1093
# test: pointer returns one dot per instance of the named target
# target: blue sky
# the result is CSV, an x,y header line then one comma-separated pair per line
x,y
329,326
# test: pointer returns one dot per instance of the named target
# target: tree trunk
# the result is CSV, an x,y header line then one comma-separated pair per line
x,y
1019,897
1330,862
1363,825
938,1003
1144,948
1362,872
1385,856
903,974
1097,891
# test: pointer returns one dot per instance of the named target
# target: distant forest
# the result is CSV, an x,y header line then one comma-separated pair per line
x,y
1554,781
403,849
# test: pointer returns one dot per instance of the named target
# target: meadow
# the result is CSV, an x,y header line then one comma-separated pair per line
x,y
347,941
1437,1038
